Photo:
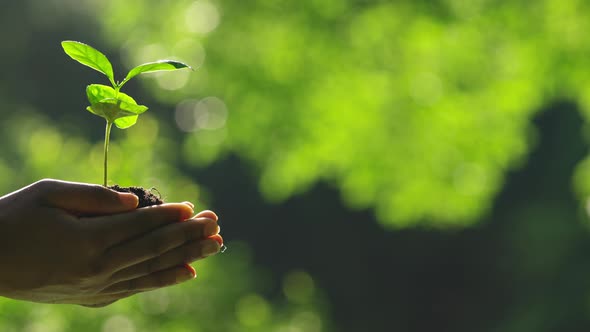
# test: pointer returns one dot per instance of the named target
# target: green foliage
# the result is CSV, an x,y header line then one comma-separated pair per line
x,y
116,107
90,57
152,67
415,111
109,103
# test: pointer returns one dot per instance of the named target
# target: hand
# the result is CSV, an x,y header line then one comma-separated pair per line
x,y
52,252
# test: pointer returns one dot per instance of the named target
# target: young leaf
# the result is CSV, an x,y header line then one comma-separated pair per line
x,y
109,110
89,56
112,105
128,106
151,67
98,92
126,122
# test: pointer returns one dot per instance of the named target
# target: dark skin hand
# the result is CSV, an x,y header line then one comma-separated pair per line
x,y
65,242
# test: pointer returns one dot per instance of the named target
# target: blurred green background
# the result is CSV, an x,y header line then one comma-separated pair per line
x,y
376,165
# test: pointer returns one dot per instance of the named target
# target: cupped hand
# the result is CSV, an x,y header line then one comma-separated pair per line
x,y
66,242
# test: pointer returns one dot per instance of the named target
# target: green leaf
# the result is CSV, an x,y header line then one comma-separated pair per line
x,y
126,121
89,56
98,92
113,106
109,109
150,67
131,107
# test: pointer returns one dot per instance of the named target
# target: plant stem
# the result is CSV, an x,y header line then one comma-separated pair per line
x,y
107,134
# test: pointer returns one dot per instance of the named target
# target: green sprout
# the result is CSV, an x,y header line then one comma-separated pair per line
x,y
109,102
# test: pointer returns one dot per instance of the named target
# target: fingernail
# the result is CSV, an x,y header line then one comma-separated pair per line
x,y
129,199
191,269
211,229
189,204
186,214
185,274
217,238
210,247
207,214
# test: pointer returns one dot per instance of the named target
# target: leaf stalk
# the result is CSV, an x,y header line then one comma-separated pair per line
x,y
107,135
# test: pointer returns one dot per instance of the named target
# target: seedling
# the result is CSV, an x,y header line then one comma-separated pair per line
x,y
109,102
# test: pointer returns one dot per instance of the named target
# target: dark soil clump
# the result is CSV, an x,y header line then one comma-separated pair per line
x,y
146,197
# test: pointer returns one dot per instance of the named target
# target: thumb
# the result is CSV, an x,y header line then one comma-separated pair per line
x,y
84,198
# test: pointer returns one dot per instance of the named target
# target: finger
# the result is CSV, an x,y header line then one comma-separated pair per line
x,y
218,238
101,302
84,198
207,214
191,270
189,204
160,279
157,243
96,300
187,253
114,229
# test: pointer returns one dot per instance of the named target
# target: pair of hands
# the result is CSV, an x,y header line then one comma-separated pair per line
x,y
66,242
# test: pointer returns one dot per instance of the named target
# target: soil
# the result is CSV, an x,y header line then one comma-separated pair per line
x,y
146,197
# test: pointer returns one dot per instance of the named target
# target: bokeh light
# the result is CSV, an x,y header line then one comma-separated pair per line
x,y
119,323
252,310
298,287
209,113
202,17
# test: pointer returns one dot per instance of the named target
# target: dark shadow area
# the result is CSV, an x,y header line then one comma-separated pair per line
x,y
526,258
